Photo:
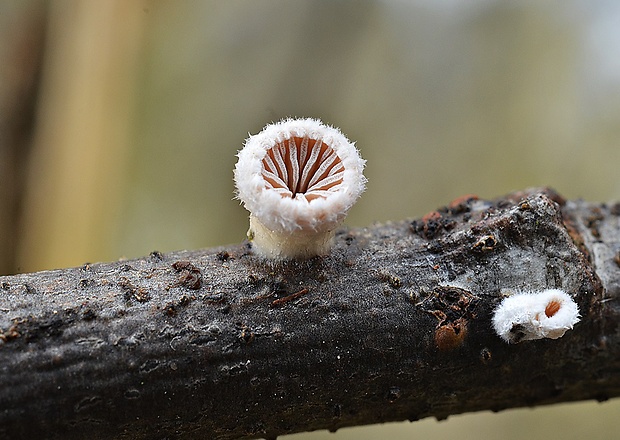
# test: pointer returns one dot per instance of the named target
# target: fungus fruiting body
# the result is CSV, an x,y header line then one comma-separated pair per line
x,y
535,315
298,178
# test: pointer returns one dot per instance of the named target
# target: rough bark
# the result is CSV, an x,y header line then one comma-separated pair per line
x,y
393,325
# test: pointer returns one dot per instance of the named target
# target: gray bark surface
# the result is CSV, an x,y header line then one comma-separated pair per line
x,y
395,324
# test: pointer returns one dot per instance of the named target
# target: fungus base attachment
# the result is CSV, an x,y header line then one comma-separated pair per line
x,y
279,245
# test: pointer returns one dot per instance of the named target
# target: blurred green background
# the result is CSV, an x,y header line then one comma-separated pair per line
x,y
120,121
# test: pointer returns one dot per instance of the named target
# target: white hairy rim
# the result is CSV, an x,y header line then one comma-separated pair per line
x,y
535,315
299,174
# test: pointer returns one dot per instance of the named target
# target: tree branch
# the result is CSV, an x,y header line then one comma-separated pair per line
x,y
395,324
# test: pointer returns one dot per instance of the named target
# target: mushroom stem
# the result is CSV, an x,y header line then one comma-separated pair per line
x,y
278,245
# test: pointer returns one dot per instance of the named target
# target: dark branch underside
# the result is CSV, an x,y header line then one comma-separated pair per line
x,y
394,325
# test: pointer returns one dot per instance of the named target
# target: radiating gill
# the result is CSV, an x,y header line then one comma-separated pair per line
x,y
302,168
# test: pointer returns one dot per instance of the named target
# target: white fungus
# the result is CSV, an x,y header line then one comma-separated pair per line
x,y
298,178
535,315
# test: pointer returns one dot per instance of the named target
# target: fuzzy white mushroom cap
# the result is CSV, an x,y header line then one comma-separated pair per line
x,y
535,315
298,178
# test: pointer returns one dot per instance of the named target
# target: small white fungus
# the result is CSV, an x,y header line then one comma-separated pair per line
x,y
535,315
298,178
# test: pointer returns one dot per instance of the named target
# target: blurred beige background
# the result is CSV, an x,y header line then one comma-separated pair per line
x,y
120,121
